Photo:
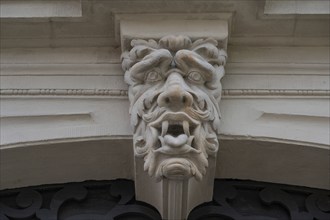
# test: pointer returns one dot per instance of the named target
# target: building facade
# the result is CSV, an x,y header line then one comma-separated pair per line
x,y
66,105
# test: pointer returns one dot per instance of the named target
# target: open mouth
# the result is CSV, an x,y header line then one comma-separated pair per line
x,y
176,132
175,124
175,128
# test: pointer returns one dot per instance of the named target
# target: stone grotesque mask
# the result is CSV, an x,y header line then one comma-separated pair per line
x,y
174,92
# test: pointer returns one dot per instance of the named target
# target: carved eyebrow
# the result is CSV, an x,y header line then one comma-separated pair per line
x,y
159,58
186,59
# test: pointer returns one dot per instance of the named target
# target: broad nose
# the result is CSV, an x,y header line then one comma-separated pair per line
x,y
175,97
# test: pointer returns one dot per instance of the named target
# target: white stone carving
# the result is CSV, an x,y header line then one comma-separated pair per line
x,y
174,92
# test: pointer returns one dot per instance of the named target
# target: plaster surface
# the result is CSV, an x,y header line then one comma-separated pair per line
x,y
84,159
64,102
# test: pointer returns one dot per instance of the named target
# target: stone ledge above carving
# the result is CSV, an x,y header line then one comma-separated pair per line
x,y
40,9
98,26
310,7
155,26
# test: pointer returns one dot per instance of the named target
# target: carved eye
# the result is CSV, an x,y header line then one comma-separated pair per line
x,y
153,76
196,77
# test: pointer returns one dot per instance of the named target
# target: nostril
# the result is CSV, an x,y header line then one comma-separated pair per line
x,y
184,99
175,98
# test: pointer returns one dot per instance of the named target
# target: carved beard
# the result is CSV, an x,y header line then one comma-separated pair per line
x,y
176,145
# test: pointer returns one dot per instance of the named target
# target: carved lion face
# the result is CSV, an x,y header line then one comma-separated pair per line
x,y
174,90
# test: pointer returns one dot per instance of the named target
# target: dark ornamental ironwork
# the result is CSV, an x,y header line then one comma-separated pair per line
x,y
249,200
106,200
92,200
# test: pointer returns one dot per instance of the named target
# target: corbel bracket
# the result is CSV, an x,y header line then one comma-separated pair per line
x,y
173,69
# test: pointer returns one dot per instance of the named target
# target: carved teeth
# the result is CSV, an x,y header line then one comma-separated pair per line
x,y
164,128
191,138
186,128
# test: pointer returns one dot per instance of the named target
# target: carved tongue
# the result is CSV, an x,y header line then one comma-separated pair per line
x,y
175,141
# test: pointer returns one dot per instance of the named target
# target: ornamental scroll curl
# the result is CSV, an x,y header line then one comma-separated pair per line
x,y
174,93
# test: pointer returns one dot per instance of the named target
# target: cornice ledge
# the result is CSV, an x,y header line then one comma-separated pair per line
x,y
123,93
163,24
173,69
